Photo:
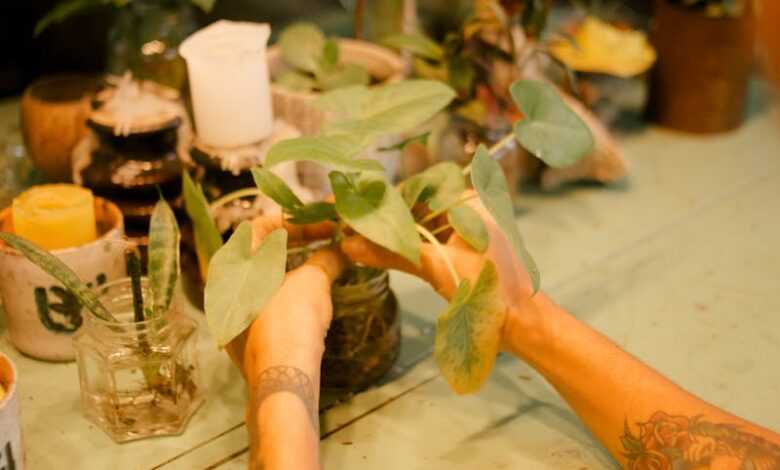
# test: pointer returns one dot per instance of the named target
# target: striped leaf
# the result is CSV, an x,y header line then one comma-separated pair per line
x,y
163,264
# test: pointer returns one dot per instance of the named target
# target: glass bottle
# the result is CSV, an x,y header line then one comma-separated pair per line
x,y
138,379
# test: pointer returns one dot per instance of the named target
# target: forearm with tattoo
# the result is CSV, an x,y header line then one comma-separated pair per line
x,y
666,442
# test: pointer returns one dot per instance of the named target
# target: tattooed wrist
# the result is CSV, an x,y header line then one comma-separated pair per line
x,y
289,379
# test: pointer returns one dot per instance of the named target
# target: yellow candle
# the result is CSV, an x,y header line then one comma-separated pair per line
x,y
55,216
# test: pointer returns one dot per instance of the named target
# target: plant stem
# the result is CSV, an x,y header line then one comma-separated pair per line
x,y
439,212
134,271
441,229
230,197
493,149
432,239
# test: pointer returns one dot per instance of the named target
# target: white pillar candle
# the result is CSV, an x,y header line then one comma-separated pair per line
x,y
229,83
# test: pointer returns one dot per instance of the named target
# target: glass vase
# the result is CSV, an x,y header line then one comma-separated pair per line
x,y
138,378
145,39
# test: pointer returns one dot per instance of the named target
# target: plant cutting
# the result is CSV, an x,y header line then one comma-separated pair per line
x,y
397,218
132,334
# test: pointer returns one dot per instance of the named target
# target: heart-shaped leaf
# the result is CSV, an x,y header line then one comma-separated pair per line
x,y
469,225
468,333
207,237
440,186
313,213
550,130
163,262
333,151
60,271
274,187
377,211
240,283
393,108
417,44
302,45
489,181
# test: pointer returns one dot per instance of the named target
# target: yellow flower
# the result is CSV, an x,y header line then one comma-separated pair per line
x,y
603,48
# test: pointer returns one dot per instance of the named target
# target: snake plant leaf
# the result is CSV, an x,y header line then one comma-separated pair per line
x,y
468,333
344,76
207,237
295,81
302,45
60,271
240,282
313,213
274,187
418,44
377,211
163,260
490,183
470,226
334,151
391,109
440,186
550,130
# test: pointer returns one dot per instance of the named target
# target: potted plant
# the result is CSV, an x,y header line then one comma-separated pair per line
x,y
705,57
366,203
145,35
493,46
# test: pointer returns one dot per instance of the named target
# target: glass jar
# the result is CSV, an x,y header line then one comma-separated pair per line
x,y
138,379
364,338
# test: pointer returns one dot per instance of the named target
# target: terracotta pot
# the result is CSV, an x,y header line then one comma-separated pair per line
x,y
54,115
11,446
704,63
42,316
296,107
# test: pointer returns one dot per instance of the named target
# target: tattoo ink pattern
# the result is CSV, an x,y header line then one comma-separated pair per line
x,y
287,379
668,442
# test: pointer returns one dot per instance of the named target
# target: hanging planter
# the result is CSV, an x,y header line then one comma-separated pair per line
x,y
43,315
704,62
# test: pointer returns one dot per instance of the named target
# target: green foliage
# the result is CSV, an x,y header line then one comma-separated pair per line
x,y
275,188
489,181
338,152
440,186
313,213
550,130
377,211
469,225
240,283
418,44
207,237
315,61
163,262
468,333
57,269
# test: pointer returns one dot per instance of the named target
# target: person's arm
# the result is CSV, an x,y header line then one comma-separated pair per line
x,y
279,356
645,421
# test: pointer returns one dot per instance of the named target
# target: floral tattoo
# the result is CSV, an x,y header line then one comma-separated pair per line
x,y
668,442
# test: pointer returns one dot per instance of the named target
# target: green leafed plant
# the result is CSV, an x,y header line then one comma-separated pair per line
x,y
469,330
67,8
314,61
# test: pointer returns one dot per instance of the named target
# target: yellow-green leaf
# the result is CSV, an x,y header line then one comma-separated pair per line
x,y
468,333
207,237
274,187
440,186
417,44
334,151
469,225
163,262
240,282
302,45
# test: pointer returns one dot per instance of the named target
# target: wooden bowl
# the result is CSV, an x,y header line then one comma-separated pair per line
x,y
54,115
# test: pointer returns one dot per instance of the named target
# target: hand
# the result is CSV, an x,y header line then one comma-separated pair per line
x,y
291,328
515,282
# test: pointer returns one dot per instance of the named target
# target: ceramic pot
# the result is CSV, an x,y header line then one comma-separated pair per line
x,y
699,83
11,449
296,107
54,115
42,316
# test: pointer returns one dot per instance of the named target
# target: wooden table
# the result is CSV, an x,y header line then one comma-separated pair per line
x,y
680,266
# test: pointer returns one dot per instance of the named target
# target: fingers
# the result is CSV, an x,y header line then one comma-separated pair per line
x,y
263,225
363,251
328,260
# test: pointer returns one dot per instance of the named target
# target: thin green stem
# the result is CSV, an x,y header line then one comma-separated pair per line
x,y
441,229
439,248
230,197
493,149
439,212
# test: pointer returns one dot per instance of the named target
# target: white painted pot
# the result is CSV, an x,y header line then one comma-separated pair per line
x,y
296,107
41,314
11,448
